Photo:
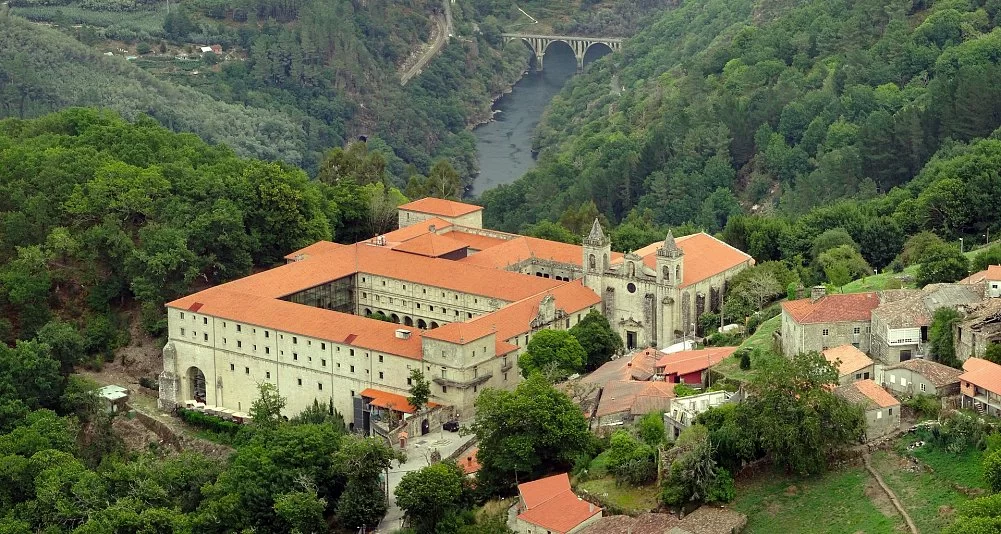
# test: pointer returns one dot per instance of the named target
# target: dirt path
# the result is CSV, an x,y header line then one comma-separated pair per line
x,y
889,493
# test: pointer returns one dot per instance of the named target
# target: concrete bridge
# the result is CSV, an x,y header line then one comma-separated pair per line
x,y
579,45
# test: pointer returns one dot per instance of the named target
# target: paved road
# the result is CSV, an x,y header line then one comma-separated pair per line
x,y
444,24
418,451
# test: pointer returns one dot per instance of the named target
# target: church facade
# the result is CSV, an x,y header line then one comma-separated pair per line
x,y
348,323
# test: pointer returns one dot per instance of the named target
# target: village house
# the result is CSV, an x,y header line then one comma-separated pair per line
x,y
980,386
989,279
462,303
684,410
852,364
624,401
921,377
549,506
824,321
980,326
900,323
691,366
882,411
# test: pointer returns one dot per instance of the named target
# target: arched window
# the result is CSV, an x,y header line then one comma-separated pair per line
x,y
677,272
632,269
667,274
591,262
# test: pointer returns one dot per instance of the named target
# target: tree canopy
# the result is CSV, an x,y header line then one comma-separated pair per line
x,y
555,353
597,338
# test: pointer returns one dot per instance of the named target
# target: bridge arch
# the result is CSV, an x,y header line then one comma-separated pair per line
x,y
594,52
580,45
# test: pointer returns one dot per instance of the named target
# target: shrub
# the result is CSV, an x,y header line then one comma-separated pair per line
x,y
143,48
992,471
149,383
208,422
745,360
684,390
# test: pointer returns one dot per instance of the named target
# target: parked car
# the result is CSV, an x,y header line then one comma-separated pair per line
x,y
451,426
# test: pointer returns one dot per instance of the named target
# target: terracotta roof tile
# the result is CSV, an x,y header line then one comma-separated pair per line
x,y
936,373
551,504
982,373
469,463
440,207
523,248
390,401
867,392
475,241
318,248
833,308
414,230
639,365
992,272
309,321
430,245
847,358
690,361
635,397
705,256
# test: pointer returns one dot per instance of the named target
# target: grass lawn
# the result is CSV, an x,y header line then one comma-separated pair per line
x,y
878,281
628,499
761,339
929,497
846,501
963,469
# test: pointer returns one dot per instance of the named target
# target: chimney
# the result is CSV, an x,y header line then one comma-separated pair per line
x,y
431,228
402,333
800,291
817,293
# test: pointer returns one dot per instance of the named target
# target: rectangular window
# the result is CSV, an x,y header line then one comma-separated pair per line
x,y
239,344
255,348
239,328
889,411
319,386
205,320
380,358
825,332
267,350
182,331
410,381
267,333
469,315
351,352
300,381
295,340
324,362
380,375
223,341
323,346
267,375
893,379
295,356
232,367
879,414
205,336
352,368
246,370
182,315
431,308
923,388
444,389
903,381
858,330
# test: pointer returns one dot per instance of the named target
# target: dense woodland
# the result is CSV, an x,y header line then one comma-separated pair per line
x,y
819,115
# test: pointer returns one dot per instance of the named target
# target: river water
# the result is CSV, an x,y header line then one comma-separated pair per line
x,y
504,146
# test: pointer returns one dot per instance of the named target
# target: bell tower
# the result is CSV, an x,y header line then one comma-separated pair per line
x,y
670,262
597,255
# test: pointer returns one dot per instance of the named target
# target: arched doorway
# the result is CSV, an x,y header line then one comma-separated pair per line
x,y
421,324
425,427
595,52
408,321
196,384
395,318
368,311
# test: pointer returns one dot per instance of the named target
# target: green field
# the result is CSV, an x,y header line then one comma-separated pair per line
x,y
761,339
929,497
846,501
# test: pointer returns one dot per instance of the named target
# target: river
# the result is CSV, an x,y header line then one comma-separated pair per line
x,y
504,145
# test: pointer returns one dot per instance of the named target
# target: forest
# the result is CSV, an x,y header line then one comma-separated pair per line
x,y
876,117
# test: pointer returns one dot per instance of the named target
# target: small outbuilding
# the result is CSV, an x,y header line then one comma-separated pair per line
x,y
852,364
882,411
114,398
922,377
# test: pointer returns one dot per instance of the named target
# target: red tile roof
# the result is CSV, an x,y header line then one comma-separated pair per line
x,y
983,373
477,241
868,392
690,361
847,359
833,308
390,401
639,365
414,230
551,504
309,321
469,463
440,207
635,397
430,245
515,319
992,272
705,256
318,248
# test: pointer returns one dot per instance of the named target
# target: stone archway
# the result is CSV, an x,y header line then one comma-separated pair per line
x,y
196,384
407,321
422,324
434,325
594,52
395,318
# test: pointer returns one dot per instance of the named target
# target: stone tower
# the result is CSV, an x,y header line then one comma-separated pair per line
x,y
670,264
597,256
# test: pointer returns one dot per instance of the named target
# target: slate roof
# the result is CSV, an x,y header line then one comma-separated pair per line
x,y
939,375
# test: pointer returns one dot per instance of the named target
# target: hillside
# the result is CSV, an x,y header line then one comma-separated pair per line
x,y
43,70
728,107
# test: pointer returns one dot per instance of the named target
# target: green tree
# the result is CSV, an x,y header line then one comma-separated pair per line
x,y
992,471
428,494
420,390
940,337
993,353
596,337
942,264
555,353
650,428
531,430
65,342
986,257
302,511
361,461
694,475
266,411
551,231
842,264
